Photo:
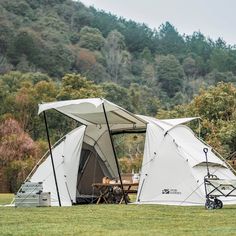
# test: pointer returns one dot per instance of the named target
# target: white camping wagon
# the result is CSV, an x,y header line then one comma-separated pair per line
x,y
173,167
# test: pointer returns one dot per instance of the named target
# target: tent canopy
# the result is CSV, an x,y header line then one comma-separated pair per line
x,y
90,112
178,121
167,124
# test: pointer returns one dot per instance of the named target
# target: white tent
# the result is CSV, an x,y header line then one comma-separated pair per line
x,y
173,166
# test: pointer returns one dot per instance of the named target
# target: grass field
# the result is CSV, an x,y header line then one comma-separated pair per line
x,y
116,220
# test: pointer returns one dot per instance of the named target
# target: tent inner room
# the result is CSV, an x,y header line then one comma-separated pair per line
x,y
92,169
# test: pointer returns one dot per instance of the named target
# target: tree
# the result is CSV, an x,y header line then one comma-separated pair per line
x,y
216,103
21,93
91,38
23,44
5,66
223,60
18,152
217,109
56,59
170,74
215,77
6,33
189,66
75,86
201,49
143,99
148,75
117,94
85,60
137,36
115,54
170,42
146,55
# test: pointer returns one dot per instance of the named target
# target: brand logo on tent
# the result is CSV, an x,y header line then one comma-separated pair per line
x,y
226,188
170,191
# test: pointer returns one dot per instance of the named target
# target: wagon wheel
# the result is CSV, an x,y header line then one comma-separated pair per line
x,y
218,203
209,205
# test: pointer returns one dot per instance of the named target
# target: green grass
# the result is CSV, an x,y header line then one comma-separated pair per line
x,y
116,220
5,198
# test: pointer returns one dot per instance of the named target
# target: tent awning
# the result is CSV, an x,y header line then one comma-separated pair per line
x,y
167,124
178,121
90,112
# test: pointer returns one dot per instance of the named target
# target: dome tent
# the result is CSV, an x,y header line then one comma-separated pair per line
x,y
173,165
86,153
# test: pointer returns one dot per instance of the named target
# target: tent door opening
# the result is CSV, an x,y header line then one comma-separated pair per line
x,y
91,170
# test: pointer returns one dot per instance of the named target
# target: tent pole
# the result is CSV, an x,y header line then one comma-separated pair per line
x,y
50,149
113,148
199,128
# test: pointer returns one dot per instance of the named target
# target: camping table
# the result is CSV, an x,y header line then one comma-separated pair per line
x,y
104,189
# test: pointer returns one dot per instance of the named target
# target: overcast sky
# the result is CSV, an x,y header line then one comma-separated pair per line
x,y
214,18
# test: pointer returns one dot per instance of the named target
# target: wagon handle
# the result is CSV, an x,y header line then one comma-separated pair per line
x,y
205,150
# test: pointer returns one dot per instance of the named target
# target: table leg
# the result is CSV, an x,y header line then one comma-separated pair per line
x,y
126,194
102,195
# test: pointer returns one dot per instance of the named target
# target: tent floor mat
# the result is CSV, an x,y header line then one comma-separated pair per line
x,y
86,200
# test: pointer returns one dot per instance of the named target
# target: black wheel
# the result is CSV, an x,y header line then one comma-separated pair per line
x,y
218,203
209,205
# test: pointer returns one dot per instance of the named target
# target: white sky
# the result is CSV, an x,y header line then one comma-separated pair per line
x,y
214,18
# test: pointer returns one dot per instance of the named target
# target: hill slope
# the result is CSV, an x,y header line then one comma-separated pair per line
x,y
61,36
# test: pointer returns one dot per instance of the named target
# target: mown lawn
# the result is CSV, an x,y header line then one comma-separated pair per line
x,y
116,220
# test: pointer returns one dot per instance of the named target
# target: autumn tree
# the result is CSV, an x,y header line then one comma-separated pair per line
x,y
18,152
21,93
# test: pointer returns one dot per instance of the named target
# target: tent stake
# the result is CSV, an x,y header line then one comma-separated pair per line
x,y
113,148
50,149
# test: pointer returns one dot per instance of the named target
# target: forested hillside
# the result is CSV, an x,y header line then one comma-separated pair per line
x,y
60,49
61,36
